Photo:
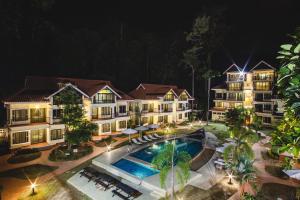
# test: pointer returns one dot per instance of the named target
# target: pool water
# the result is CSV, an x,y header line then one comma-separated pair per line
x,y
135,169
182,144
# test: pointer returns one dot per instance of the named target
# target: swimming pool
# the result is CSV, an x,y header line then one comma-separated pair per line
x,y
134,168
193,147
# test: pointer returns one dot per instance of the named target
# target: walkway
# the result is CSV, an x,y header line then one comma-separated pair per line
x,y
14,187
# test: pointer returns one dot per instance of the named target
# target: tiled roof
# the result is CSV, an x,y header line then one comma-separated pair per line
x,y
38,88
153,91
220,86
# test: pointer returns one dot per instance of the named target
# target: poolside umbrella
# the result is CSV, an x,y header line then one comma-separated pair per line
x,y
129,132
153,126
294,173
141,128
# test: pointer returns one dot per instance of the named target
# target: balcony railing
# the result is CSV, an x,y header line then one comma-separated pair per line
x,y
37,120
235,98
263,78
102,101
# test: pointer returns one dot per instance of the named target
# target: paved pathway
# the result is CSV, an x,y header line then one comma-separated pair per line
x,y
14,187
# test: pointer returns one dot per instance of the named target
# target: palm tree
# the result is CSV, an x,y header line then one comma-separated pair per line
x,y
165,162
241,148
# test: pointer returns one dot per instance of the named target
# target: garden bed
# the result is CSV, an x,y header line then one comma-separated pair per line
x,y
24,155
62,153
104,142
31,171
276,171
271,191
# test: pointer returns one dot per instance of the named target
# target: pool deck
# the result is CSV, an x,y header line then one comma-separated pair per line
x,y
152,183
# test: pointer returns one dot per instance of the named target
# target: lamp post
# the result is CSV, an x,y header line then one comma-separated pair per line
x,y
33,185
230,176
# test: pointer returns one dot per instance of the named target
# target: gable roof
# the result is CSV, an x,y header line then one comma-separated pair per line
x,y
154,91
263,65
219,87
38,88
233,68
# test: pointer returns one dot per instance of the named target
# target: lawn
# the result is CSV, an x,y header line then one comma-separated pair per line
x,y
62,153
24,155
31,171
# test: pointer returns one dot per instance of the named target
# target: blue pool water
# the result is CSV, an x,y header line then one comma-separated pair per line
x,y
182,144
135,169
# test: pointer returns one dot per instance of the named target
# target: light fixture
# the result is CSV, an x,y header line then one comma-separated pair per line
x,y
230,176
33,186
108,148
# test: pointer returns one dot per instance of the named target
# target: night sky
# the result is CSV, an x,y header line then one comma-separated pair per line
x,y
61,48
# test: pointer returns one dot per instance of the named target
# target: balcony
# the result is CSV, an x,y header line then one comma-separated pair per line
x,y
235,98
102,101
262,78
29,121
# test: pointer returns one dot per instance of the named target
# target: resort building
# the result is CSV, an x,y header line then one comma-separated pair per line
x,y
252,89
34,115
157,104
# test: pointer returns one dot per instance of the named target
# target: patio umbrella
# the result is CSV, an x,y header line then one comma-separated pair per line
x,y
141,128
129,132
153,126
293,173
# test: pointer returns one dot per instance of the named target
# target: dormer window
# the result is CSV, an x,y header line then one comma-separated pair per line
x,y
104,96
183,97
169,96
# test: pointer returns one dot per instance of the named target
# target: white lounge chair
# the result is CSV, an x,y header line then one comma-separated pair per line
x,y
136,142
146,138
152,137
158,136
141,140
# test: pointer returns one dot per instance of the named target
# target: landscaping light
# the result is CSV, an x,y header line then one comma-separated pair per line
x,y
108,148
230,176
167,129
33,186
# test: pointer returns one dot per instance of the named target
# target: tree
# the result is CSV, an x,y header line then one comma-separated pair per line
x,y
256,123
287,135
165,160
77,128
238,117
289,74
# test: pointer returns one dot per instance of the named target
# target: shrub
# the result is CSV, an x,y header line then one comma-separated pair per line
x,y
24,155
63,154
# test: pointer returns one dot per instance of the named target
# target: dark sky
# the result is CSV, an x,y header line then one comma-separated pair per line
x,y
257,27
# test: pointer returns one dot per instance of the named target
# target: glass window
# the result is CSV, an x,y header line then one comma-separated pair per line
x,y
104,96
144,120
262,86
180,116
122,109
38,115
183,97
94,113
105,111
144,107
57,113
105,127
38,136
169,96
185,115
235,86
20,137
56,134
20,115
160,118
122,124
151,107
219,95
267,120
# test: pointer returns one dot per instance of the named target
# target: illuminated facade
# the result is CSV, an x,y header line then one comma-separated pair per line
x,y
35,117
253,89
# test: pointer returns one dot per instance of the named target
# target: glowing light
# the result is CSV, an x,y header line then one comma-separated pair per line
x,y
230,176
154,146
33,186
37,106
108,148
167,129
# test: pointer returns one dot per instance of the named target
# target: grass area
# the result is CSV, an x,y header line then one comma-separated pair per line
x,y
62,153
220,130
276,171
31,171
271,191
217,192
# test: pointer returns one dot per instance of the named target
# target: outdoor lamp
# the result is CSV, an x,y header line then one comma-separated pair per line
x,y
33,186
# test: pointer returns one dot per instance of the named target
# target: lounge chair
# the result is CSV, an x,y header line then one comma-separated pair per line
x,y
99,182
158,136
116,192
131,192
146,138
141,140
152,137
136,142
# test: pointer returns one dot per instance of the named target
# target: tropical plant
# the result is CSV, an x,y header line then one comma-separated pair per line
x,y
244,171
165,161
287,135
77,128
241,147
287,163
256,123
289,74
247,196
239,116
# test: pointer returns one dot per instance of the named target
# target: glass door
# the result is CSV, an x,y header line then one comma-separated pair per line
x,y
38,136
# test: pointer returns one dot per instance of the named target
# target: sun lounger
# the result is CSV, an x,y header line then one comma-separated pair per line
x,y
152,137
104,185
141,140
136,142
146,138
131,192
158,136
117,193
88,172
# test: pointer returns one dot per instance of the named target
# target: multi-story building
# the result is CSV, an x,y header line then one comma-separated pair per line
x,y
157,104
34,114
252,89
